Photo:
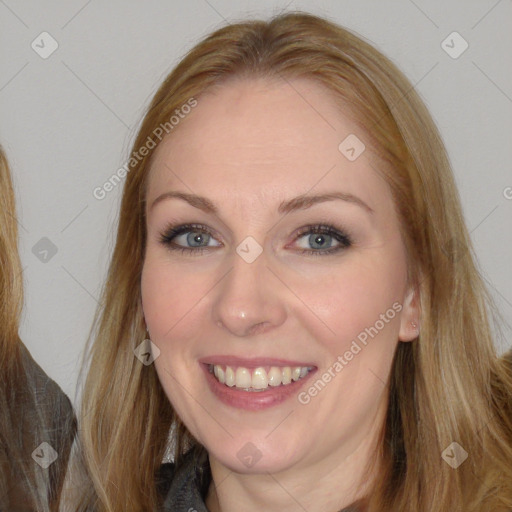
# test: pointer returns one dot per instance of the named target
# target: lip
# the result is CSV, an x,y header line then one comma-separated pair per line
x,y
252,362
252,400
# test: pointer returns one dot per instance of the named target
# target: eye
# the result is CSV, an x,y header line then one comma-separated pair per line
x,y
321,237
196,235
194,239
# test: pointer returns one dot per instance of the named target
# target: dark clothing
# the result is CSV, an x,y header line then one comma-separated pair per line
x,y
185,489
37,429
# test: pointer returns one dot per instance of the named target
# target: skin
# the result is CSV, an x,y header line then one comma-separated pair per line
x,y
247,146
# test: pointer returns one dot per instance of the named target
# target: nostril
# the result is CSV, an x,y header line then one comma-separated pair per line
x,y
258,328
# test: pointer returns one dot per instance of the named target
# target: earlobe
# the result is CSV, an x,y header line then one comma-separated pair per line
x,y
409,333
410,319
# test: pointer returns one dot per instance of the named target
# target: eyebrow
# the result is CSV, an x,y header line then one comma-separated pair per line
x,y
297,203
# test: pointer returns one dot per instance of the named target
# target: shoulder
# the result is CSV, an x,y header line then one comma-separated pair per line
x,y
35,410
44,389
185,482
47,408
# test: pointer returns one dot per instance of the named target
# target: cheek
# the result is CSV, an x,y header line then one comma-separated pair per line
x,y
358,295
170,300
169,296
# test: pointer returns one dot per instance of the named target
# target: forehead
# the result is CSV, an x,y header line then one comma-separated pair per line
x,y
259,137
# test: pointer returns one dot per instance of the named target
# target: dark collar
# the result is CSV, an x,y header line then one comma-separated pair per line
x,y
185,487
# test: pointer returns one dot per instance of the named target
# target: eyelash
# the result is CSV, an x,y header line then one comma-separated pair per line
x,y
340,236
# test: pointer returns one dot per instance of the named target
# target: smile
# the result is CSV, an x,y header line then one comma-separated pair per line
x,y
258,379
256,383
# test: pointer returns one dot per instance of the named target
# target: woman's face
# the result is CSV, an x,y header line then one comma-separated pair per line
x,y
296,305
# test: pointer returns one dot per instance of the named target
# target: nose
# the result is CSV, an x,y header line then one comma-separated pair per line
x,y
249,300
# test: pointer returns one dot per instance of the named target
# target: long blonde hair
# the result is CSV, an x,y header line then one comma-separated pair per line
x,y
32,407
447,386
11,282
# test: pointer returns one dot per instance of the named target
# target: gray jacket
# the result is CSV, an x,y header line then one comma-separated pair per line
x,y
37,429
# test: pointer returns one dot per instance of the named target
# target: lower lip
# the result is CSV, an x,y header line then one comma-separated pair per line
x,y
253,400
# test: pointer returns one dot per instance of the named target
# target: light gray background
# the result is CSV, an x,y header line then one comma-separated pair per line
x,y
67,123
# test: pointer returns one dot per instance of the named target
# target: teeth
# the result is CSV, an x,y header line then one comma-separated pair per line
x,y
259,378
287,375
230,376
274,376
242,378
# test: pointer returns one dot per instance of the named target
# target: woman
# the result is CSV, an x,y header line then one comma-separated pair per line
x,y
37,424
294,277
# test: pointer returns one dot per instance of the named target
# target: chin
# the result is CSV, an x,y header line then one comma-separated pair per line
x,y
255,456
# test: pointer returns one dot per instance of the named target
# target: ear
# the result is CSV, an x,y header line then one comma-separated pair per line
x,y
410,318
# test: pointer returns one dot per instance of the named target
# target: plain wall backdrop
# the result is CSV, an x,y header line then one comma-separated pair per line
x,y
76,76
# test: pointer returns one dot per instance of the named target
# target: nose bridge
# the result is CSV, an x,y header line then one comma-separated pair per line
x,y
248,298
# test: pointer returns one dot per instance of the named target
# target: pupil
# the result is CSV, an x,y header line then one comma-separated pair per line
x,y
319,240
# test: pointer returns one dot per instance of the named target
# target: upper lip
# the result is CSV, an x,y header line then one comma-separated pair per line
x,y
253,362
